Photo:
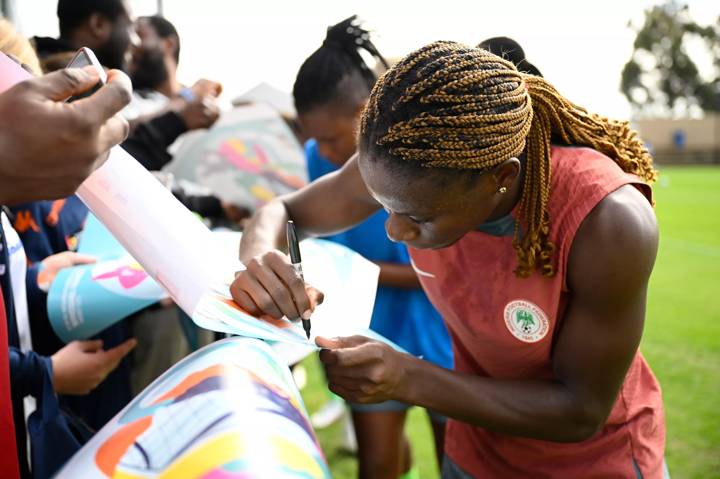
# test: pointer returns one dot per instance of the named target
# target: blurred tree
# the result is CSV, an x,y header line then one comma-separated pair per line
x,y
661,78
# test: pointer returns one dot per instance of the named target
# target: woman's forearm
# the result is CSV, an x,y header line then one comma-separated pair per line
x,y
265,231
538,409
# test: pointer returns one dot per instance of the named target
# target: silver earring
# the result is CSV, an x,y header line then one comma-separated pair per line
x,y
502,190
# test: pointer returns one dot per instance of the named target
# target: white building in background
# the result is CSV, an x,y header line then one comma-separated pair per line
x,y
682,140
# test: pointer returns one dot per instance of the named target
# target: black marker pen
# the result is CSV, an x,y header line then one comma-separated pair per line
x,y
294,249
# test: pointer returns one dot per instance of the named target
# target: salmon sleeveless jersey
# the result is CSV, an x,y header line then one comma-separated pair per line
x,y
504,327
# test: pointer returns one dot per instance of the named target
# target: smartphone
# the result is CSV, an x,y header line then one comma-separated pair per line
x,y
83,58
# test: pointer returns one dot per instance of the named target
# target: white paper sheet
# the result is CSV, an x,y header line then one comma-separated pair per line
x,y
348,280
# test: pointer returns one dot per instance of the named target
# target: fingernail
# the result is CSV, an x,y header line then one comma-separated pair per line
x,y
306,315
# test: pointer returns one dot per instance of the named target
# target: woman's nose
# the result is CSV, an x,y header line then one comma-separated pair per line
x,y
399,229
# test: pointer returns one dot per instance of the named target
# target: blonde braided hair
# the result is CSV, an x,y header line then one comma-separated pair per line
x,y
449,106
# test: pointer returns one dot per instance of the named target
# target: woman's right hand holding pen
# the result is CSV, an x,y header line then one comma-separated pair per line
x,y
271,285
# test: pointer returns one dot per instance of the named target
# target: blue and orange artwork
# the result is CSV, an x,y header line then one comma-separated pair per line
x,y
229,411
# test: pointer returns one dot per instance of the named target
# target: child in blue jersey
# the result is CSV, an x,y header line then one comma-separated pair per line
x,y
330,91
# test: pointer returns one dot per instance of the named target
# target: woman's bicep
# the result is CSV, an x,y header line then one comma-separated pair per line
x,y
608,272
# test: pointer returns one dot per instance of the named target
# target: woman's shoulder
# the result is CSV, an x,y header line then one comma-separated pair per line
x,y
619,235
584,181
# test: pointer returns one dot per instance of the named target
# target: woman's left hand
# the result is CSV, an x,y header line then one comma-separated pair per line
x,y
363,370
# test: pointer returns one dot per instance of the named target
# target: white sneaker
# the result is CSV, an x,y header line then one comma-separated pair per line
x,y
329,413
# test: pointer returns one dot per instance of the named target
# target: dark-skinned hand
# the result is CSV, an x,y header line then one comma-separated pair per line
x,y
48,147
270,285
363,370
202,112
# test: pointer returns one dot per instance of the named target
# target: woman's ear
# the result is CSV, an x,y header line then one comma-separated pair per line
x,y
506,172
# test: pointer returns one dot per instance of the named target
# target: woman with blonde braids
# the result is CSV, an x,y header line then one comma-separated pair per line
x,y
530,225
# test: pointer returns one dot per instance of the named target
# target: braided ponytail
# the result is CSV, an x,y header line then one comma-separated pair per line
x,y
337,58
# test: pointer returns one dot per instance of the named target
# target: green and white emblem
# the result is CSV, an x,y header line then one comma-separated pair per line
x,y
526,321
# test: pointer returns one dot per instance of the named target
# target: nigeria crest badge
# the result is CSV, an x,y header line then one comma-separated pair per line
x,y
526,321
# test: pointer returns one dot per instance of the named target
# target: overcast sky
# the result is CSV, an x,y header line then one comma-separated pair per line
x,y
580,46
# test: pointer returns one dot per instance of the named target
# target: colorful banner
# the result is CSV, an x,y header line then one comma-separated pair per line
x,y
247,158
85,299
229,411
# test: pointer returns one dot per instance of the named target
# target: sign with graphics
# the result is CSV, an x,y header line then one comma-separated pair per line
x,y
230,410
247,158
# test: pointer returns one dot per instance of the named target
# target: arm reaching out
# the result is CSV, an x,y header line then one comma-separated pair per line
x,y
270,284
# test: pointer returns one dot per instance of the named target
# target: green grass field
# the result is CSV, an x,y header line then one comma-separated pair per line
x,y
681,341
